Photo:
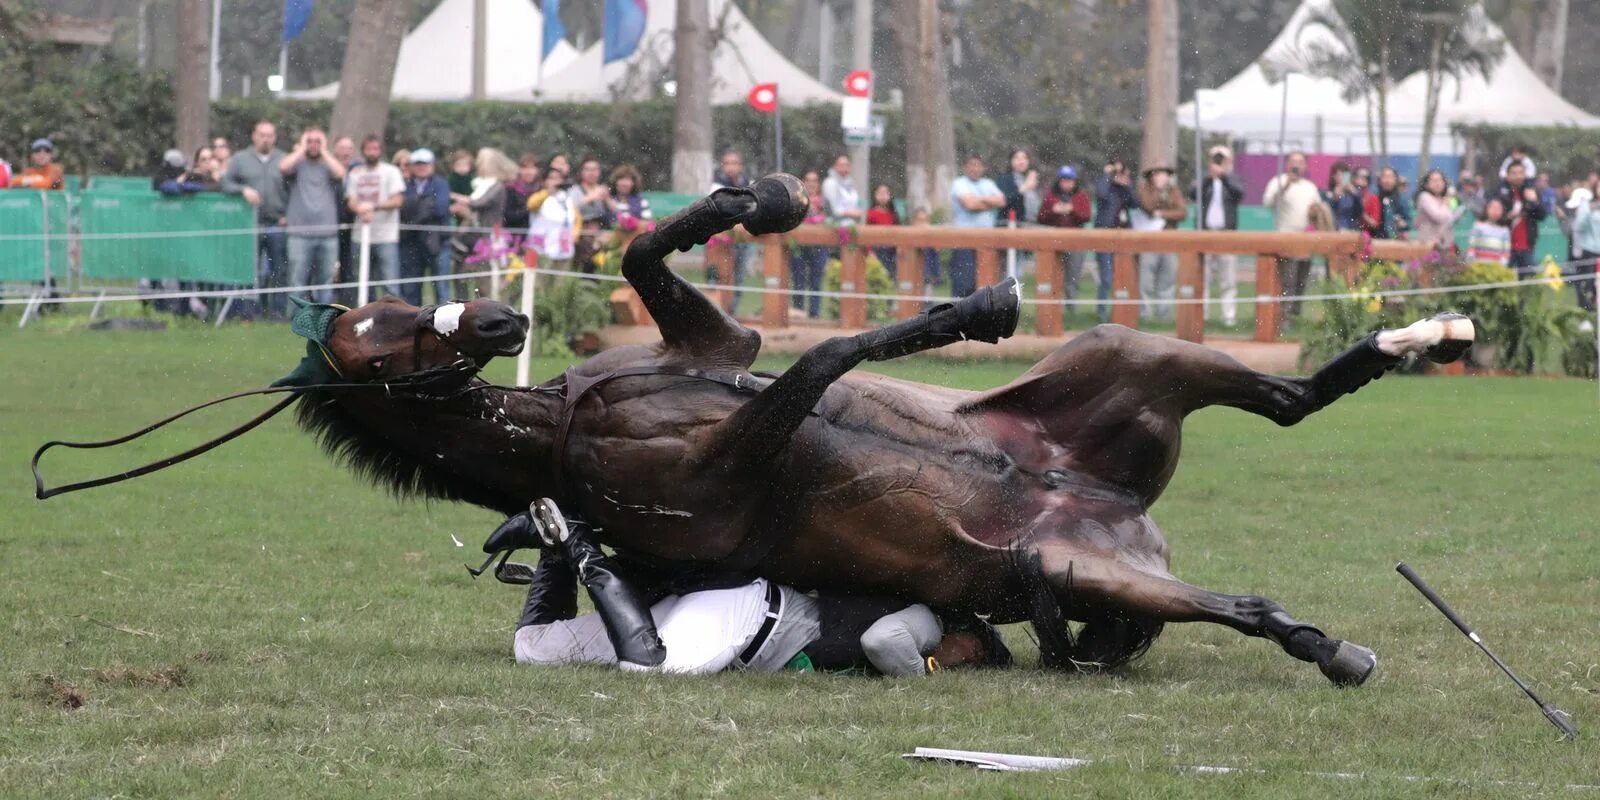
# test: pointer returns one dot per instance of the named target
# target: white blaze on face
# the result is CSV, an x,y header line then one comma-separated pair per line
x,y
363,327
447,319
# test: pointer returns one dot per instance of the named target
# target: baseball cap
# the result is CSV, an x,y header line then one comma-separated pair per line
x,y
41,144
1067,172
422,155
174,158
1222,150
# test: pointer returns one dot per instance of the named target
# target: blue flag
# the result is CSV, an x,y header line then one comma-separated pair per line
x,y
554,31
296,13
624,27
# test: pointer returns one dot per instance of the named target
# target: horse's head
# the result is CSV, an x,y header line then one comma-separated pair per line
x,y
391,339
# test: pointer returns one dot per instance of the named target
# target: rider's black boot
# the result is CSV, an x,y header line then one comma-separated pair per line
x,y
553,595
987,315
622,609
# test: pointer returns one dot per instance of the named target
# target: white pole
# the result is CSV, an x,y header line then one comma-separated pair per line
x,y
365,260
216,35
527,310
1011,252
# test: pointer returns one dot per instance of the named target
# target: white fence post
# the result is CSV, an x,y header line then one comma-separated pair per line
x,y
527,310
365,272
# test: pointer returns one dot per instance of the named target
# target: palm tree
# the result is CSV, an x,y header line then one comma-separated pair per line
x,y
1381,39
1368,34
1462,42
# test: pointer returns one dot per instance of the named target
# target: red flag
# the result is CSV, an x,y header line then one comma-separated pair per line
x,y
764,97
859,83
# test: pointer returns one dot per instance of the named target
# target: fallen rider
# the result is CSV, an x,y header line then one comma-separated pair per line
x,y
759,626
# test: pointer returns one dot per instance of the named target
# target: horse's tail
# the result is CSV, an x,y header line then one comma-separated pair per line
x,y
1103,643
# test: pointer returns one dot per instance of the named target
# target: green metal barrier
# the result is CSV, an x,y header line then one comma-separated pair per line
x,y
39,223
167,238
665,204
120,183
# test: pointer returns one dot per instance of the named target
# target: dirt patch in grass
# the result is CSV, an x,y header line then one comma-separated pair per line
x,y
170,677
51,691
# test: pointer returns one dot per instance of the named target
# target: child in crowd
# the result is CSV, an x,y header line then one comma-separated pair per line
x,y
883,213
1490,240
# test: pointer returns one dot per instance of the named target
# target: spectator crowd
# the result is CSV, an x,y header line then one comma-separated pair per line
x,y
321,204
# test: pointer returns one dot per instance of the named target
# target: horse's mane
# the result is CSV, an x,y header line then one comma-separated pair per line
x,y
373,457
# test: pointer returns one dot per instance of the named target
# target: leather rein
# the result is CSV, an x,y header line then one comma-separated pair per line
x,y
414,384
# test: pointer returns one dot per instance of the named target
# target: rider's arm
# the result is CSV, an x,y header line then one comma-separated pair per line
x,y
898,644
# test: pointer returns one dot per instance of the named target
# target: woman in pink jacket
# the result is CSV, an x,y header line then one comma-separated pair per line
x,y
1436,220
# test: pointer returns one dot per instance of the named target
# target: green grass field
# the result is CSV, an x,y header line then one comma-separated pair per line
x,y
259,624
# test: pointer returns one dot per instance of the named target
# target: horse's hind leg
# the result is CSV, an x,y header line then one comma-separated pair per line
x,y
1109,592
761,428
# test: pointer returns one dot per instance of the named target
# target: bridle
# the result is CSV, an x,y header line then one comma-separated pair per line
x,y
436,384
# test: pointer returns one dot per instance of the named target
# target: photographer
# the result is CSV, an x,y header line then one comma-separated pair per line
x,y
1114,198
1291,196
1219,195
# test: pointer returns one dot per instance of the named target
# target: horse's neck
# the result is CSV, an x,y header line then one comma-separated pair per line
x,y
497,439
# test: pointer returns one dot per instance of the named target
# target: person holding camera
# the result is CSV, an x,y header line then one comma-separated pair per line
x,y
315,181
1219,195
1291,196
1114,199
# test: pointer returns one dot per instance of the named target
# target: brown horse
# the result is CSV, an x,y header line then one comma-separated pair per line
x,y
1029,501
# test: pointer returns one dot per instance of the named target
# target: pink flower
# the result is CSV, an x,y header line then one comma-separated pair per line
x,y
627,222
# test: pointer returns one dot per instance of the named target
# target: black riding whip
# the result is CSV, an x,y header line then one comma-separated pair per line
x,y
1556,716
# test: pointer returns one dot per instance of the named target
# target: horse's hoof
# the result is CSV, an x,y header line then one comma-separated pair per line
x,y
991,313
1351,665
1456,337
781,204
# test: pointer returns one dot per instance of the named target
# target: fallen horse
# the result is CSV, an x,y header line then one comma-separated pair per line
x,y
1025,502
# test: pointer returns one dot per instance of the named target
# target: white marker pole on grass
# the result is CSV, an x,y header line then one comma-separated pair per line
x,y
527,311
365,271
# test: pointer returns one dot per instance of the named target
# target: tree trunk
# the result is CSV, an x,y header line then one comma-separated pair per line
x,y
1383,106
1430,108
370,53
691,122
1549,41
1160,146
191,74
930,135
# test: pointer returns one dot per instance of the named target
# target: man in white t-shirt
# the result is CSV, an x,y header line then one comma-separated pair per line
x,y
1291,196
375,190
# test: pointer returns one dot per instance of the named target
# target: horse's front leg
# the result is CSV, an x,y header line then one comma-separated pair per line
x,y
1123,602
760,429
686,317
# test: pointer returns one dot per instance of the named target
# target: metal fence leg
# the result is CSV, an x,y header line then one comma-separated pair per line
x,y
94,313
222,313
27,310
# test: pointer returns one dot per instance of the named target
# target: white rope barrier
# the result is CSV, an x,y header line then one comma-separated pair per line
x,y
245,292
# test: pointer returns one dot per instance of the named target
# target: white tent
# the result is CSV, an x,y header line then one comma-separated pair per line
x,y
1251,105
436,56
742,59
1512,95
1248,106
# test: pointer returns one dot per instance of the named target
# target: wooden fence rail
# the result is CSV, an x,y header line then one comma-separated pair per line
x,y
1342,250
